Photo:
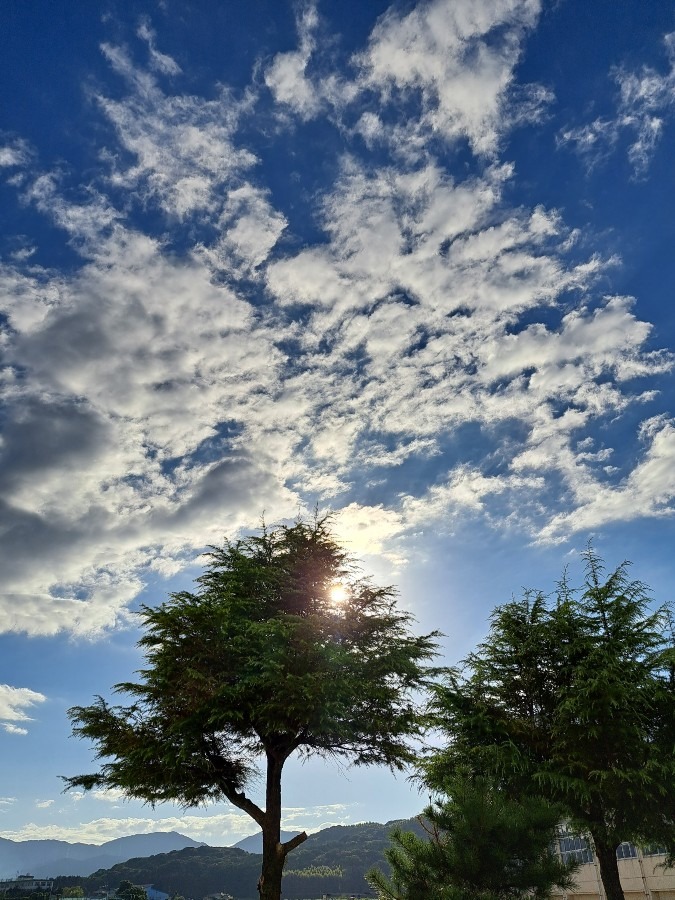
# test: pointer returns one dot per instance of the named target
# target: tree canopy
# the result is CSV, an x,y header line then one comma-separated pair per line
x,y
129,891
265,660
479,845
573,698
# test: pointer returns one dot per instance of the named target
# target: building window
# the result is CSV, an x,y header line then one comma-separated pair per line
x,y
575,849
653,850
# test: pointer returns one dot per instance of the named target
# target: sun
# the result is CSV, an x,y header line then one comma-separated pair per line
x,y
337,593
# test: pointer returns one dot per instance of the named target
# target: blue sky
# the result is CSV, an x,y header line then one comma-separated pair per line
x,y
412,263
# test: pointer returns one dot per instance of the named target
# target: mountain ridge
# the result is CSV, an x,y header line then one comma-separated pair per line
x,y
331,861
253,843
49,858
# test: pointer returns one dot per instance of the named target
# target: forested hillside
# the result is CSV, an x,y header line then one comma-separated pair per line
x,y
331,861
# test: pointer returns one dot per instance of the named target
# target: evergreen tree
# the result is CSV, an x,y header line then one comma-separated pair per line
x,y
267,659
129,891
480,845
574,700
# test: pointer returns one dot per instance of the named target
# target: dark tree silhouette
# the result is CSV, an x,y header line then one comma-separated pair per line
x,y
479,845
573,699
263,661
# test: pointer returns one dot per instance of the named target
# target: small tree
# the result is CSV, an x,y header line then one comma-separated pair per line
x,y
574,700
481,846
129,891
282,650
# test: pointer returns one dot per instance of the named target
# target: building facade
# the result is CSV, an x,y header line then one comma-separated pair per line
x,y
26,883
642,871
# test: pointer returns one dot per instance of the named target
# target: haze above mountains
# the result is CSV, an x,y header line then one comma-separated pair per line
x,y
49,858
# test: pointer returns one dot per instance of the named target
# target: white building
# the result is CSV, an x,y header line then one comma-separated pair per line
x,y
26,883
643,873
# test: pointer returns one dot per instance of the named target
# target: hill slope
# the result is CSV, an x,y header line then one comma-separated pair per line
x,y
253,843
331,861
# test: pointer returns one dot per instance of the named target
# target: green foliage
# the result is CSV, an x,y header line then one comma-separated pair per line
x,y
129,891
316,872
574,699
479,845
75,891
191,872
260,664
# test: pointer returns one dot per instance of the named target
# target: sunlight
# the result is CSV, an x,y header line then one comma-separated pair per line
x,y
337,593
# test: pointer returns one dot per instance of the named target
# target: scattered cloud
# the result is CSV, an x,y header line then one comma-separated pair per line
x,y
109,795
44,804
648,491
13,704
220,829
456,60
286,77
369,530
15,154
184,148
164,391
160,62
315,818
13,729
646,99
7,801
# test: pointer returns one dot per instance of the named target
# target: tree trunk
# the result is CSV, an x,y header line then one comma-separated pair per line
x,y
609,871
274,852
269,883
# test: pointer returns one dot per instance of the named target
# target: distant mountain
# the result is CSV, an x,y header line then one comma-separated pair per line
x,y
332,861
253,843
193,873
47,859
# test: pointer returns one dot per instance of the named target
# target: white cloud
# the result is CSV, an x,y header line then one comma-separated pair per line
x,y
44,804
219,829
458,58
369,529
158,399
98,831
109,795
13,705
7,801
160,62
286,76
184,146
315,818
645,102
13,729
132,364
15,154
648,491
249,228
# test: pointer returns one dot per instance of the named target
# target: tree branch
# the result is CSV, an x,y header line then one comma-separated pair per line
x,y
241,801
294,842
